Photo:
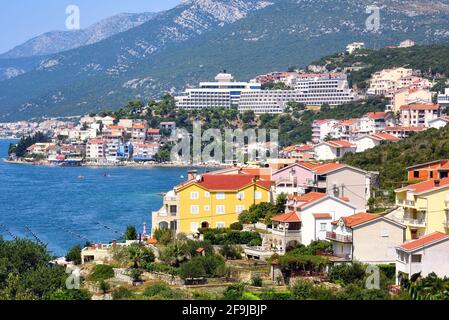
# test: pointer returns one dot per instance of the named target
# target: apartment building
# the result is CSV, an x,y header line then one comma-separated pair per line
x,y
216,200
322,129
424,207
387,81
419,115
367,238
429,254
333,149
443,98
97,150
224,93
410,95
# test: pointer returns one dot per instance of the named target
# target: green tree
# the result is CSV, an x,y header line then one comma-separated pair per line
x,y
74,255
131,233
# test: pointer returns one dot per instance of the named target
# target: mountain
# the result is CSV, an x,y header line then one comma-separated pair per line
x,y
59,41
195,40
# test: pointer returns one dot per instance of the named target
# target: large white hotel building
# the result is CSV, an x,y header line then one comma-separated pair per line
x,y
224,93
310,89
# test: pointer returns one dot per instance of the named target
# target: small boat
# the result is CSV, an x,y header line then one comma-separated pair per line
x,y
81,177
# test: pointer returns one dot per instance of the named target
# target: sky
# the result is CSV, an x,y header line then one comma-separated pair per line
x,y
21,20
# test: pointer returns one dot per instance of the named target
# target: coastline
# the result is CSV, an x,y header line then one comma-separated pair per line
x,y
119,165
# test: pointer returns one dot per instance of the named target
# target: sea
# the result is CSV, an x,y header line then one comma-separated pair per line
x,y
62,206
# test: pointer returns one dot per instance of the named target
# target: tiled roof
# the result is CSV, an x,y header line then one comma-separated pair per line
x,y
308,198
357,219
385,137
231,182
322,216
287,217
153,131
340,143
375,115
427,185
328,167
429,106
98,141
402,128
424,241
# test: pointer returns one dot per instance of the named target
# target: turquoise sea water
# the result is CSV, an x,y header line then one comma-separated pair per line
x,y
63,210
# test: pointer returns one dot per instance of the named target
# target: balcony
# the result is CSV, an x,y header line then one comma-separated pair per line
x,y
286,232
415,222
338,237
407,203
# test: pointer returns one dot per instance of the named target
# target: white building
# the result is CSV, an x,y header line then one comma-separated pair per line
x,y
96,150
387,81
407,43
224,93
443,99
367,238
439,122
425,255
331,150
352,47
309,89
371,141
419,115
321,129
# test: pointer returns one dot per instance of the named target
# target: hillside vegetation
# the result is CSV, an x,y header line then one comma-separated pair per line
x,y
392,159
432,61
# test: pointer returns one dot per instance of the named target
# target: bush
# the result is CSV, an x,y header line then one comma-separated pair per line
x,y
389,270
69,295
122,294
230,252
237,226
274,295
256,281
74,255
135,274
306,290
203,267
163,291
131,233
346,274
234,292
163,236
101,272
162,267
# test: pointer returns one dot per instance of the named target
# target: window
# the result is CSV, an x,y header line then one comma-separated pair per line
x,y
207,208
194,227
221,225
194,195
220,196
415,174
241,195
194,209
258,195
431,174
220,209
416,258
323,226
207,194
239,209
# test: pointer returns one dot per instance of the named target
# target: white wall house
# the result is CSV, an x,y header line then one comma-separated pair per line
x,y
316,211
331,150
439,123
371,141
425,255
367,238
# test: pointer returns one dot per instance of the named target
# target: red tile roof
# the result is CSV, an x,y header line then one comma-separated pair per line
x,y
225,182
402,128
153,131
328,167
375,115
385,136
322,216
340,143
429,106
424,241
427,185
357,219
287,217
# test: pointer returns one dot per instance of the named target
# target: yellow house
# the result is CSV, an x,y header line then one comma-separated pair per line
x,y
215,201
426,207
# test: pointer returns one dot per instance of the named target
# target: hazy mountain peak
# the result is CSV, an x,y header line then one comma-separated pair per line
x,y
59,41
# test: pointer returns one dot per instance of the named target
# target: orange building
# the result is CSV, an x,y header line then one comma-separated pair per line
x,y
431,170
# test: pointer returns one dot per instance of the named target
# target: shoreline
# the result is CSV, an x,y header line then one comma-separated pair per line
x,y
123,165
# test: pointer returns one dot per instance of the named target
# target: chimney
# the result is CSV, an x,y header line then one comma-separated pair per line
x,y
437,182
191,175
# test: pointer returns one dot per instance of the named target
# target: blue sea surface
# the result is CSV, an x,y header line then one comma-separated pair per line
x,y
62,209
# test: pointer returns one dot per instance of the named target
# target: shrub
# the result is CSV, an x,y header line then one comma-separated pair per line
x,y
163,291
306,290
104,286
237,226
230,252
135,274
162,267
163,236
347,273
69,295
274,295
131,233
256,281
203,266
122,294
139,256
74,255
234,292
101,272
389,270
